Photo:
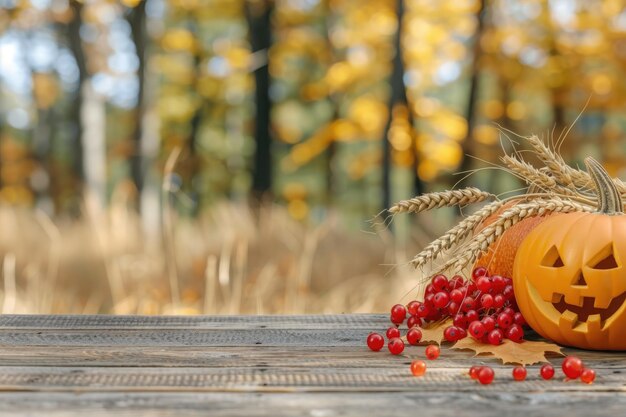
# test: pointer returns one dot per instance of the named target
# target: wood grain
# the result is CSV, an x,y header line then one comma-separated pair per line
x,y
73,322
325,404
266,365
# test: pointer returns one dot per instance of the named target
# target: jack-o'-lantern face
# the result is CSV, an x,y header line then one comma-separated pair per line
x,y
570,275
570,280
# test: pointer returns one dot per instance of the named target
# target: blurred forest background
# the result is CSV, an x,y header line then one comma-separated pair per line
x,y
227,156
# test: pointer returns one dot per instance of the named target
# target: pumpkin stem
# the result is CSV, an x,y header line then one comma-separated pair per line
x,y
609,199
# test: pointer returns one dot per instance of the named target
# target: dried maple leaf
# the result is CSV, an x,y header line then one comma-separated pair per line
x,y
434,331
525,353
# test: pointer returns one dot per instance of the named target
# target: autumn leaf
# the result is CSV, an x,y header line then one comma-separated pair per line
x,y
434,331
524,353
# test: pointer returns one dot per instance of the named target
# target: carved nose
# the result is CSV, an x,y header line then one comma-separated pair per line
x,y
579,281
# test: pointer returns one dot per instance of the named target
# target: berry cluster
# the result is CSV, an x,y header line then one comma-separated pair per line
x,y
484,307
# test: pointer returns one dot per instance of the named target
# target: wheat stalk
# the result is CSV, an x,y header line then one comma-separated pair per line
x,y
539,178
565,174
583,180
453,236
440,199
559,169
481,242
529,173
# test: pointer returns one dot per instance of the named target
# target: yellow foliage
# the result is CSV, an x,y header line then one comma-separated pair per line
x,y
45,90
486,134
369,114
178,39
450,124
516,110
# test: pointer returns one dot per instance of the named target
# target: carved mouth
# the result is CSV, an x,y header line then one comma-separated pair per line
x,y
587,309
583,317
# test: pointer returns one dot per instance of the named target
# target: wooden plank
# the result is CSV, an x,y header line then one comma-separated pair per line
x,y
74,322
184,337
251,356
279,379
431,404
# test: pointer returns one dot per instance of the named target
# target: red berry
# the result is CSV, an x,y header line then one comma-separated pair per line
x,y
422,311
486,301
429,300
473,372
476,329
468,304
460,321
471,288
434,315
432,352
479,272
497,284
518,319
507,293
418,368
375,342
471,316
547,371
440,282
483,284
504,320
485,375
453,308
489,323
451,334
495,337
498,301
457,281
462,333
412,307
514,333
572,367
413,321
398,313
430,289
519,373
588,376
457,296
395,346
509,311
441,299
413,336
392,332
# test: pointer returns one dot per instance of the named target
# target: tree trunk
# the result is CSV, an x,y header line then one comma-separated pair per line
x,y
398,96
472,99
76,47
137,21
259,22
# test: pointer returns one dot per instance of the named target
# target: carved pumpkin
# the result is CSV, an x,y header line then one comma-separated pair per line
x,y
500,256
570,275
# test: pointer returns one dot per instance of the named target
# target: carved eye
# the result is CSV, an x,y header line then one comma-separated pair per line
x,y
604,260
552,259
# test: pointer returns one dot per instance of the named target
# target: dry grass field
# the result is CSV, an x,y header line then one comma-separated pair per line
x,y
230,260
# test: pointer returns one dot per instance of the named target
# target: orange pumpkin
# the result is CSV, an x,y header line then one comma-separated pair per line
x,y
500,256
569,275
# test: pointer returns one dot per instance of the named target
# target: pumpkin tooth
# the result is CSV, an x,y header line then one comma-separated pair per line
x,y
568,319
594,323
575,300
556,298
602,303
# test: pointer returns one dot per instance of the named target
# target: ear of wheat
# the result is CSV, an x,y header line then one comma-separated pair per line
x,y
449,198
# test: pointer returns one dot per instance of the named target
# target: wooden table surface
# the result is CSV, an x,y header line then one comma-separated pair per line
x,y
264,366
